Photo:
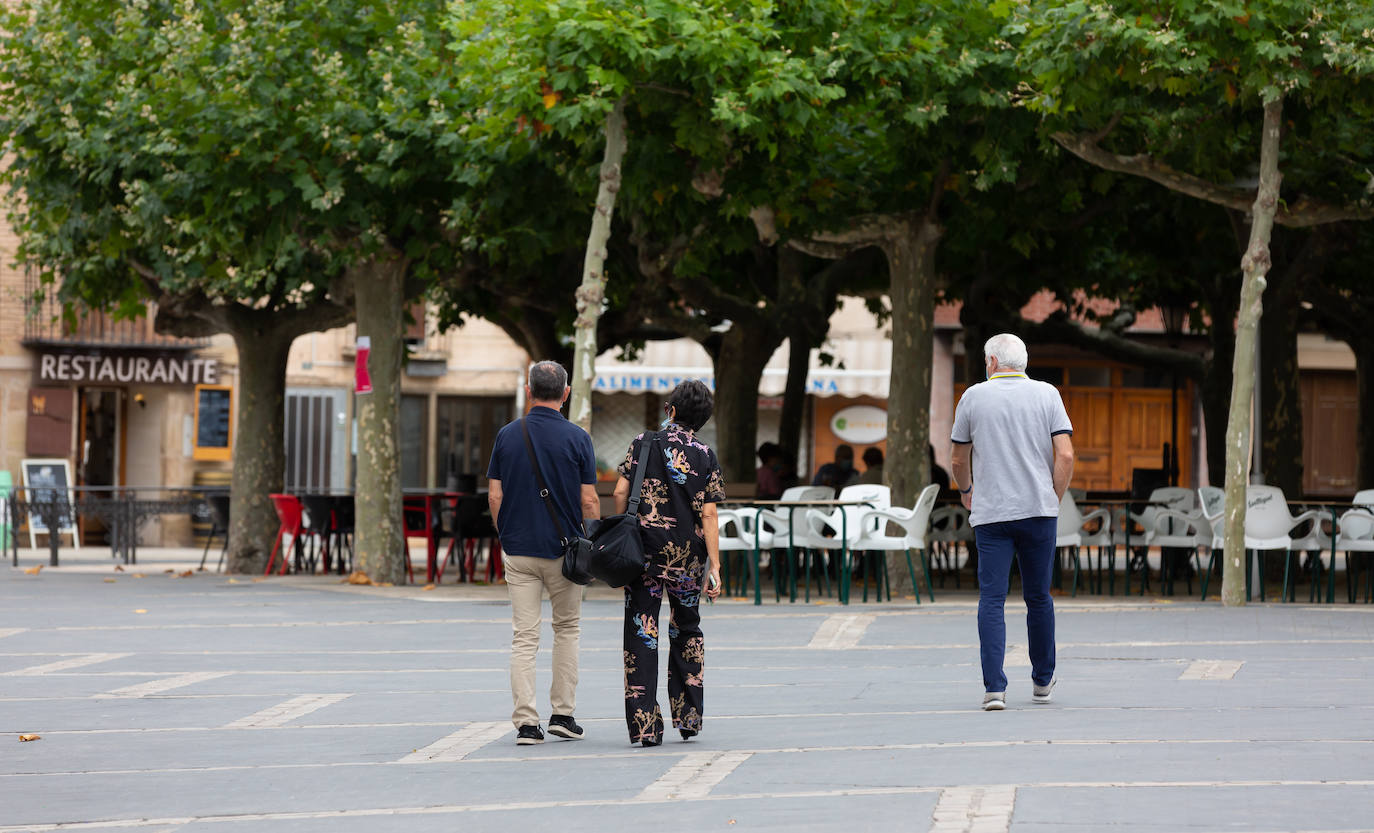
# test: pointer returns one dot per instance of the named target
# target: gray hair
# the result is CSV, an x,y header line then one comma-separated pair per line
x,y
547,381
1009,351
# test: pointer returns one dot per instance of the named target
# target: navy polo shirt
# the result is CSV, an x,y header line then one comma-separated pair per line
x,y
567,461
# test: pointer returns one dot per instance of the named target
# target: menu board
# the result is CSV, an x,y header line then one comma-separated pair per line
x,y
48,480
214,422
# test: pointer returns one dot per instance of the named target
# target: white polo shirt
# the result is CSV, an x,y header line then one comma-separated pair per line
x,y
1011,420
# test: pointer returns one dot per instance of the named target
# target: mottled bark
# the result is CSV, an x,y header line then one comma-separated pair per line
x,y
259,462
592,292
1254,266
379,287
744,351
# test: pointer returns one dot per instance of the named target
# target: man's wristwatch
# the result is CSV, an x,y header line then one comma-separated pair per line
x,y
966,491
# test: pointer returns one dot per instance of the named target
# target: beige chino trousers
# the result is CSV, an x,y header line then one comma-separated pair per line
x,y
527,578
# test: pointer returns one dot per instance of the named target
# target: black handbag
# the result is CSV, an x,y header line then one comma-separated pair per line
x,y
577,551
617,549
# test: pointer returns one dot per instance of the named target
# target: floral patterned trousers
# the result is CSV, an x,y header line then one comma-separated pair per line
x,y
643,601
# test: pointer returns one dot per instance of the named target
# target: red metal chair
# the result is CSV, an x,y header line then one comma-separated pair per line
x,y
288,509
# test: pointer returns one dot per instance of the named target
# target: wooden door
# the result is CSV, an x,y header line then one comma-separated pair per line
x,y
1090,411
1330,420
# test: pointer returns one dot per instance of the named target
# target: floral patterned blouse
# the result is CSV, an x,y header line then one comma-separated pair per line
x,y
681,477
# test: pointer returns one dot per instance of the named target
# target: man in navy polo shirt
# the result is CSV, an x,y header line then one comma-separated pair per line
x,y
533,548
1013,458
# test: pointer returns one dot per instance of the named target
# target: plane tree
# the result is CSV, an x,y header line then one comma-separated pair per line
x,y
260,169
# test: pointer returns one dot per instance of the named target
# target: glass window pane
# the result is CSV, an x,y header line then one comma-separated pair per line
x,y
413,442
1144,377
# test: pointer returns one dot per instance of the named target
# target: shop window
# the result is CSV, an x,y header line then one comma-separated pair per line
x,y
466,431
413,433
1144,377
214,422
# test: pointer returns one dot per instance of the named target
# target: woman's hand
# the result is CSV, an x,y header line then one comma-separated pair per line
x,y
713,581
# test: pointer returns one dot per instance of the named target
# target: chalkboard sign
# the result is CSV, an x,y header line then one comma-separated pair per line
x,y
214,422
49,480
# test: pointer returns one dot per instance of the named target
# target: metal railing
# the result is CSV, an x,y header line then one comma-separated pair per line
x,y
45,323
123,510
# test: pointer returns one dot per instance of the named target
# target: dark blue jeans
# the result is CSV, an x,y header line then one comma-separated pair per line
x,y
1032,541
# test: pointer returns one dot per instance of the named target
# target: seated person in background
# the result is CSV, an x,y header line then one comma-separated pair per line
x,y
939,476
873,466
840,473
768,480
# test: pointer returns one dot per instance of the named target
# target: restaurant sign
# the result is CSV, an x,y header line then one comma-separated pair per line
x,y
122,368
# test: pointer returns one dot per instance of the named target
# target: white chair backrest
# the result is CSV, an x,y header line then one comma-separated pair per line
x,y
1070,519
949,523
801,494
876,496
1176,498
1266,512
1212,499
920,518
1365,498
1353,527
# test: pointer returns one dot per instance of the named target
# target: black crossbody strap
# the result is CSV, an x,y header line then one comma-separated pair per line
x,y
645,449
539,480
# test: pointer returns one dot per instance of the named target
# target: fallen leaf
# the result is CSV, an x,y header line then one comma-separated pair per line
x,y
186,574
139,575
259,578
141,610
27,738
109,581
357,577
118,569
233,581
428,587
33,571
385,584
169,571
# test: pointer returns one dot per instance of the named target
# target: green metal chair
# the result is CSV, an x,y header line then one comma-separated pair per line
x,y
6,522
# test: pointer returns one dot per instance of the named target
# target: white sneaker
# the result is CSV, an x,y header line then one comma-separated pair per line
x,y
994,701
1041,693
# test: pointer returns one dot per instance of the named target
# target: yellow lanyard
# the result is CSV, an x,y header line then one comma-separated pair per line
x,y
1009,374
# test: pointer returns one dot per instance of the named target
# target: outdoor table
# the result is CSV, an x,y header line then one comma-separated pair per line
x,y
792,506
426,502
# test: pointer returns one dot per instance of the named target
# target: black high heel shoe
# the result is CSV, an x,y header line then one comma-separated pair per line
x,y
687,734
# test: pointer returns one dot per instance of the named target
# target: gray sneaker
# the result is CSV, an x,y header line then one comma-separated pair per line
x,y
994,701
1041,693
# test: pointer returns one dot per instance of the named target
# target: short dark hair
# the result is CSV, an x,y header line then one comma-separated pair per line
x,y
692,404
873,456
547,381
770,451
844,452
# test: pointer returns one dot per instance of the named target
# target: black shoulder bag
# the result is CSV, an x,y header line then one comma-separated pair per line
x,y
577,551
617,550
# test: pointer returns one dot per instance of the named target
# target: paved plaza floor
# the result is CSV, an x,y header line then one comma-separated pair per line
x,y
211,703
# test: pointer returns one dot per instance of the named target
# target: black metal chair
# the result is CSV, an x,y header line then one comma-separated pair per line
x,y
218,505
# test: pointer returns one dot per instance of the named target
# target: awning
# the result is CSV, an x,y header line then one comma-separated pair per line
x,y
861,368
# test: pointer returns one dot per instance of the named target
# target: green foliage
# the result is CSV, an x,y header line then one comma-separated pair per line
x,y
247,150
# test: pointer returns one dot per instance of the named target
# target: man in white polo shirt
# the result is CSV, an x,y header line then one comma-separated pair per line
x,y
1012,459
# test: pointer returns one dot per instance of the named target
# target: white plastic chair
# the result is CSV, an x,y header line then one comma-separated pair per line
x,y
739,531
1211,533
840,529
1069,533
789,529
1269,526
1355,534
915,524
949,527
1174,525
1155,521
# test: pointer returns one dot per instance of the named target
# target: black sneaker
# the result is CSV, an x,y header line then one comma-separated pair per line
x,y
529,735
565,727
687,734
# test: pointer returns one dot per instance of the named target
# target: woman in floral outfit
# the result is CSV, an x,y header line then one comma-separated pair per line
x,y
677,520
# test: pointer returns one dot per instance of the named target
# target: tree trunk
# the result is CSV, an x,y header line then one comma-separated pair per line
x,y
794,394
911,266
1364,398
380,537
259,440
744,351
1254,266
1281,395
592,293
